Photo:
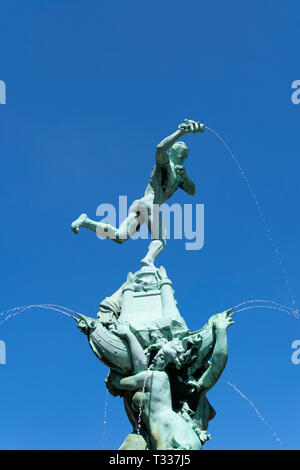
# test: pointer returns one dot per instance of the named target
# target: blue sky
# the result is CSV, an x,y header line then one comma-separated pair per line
x,y
92,87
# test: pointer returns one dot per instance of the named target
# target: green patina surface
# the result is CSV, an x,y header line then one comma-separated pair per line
x,y
162,370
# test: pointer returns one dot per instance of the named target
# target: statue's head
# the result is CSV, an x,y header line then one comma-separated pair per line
x,y
164,356
178,152
167,352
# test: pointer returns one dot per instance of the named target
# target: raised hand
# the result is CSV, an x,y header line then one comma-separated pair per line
x,y
223,320
191,126
121,329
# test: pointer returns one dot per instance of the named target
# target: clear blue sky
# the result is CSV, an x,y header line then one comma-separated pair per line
x,y
92,87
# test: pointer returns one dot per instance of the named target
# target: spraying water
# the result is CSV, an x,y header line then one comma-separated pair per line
x,y
267,304
138,428
261,213
12,312
255,409
105,418
263,301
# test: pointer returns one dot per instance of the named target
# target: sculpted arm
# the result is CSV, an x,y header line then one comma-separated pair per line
x,y
139,362
138,357
162,156
133,382
220,352
188,125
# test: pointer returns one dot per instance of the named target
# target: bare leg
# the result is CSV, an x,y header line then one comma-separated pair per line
x,y
158,232
82,221
127,228
154,249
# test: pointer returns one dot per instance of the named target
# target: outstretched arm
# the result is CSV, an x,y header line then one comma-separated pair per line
x,y
139,360
220,352
134,382
188,125
162,156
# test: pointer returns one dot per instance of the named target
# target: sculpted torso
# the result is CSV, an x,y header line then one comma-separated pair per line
x,y
164,181
166,428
